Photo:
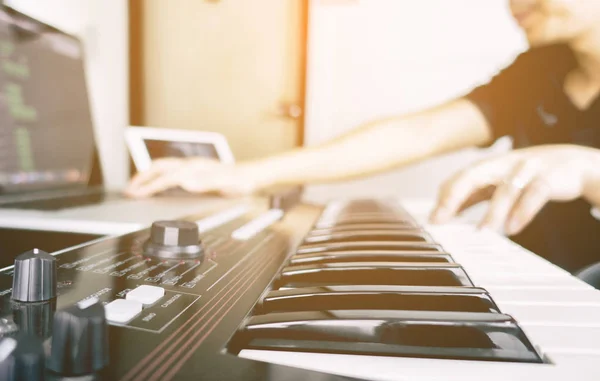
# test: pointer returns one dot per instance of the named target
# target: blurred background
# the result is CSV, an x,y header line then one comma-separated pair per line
x,y
275,74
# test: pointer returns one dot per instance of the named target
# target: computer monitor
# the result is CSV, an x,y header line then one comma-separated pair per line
x,y
46,129
148,143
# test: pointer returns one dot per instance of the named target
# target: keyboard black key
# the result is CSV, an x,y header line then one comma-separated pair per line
x,y
364,228
360,220
373,273
450,335
371,256
458,299
372,236
368,246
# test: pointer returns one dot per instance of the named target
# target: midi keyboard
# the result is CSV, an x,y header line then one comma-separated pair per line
x,y
355,290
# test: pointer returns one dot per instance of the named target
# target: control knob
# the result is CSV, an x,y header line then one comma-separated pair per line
x,y
34,278
79,339
21,358
34,318
174,240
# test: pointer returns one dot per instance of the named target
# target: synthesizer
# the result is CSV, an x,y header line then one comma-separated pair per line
x,y
283,290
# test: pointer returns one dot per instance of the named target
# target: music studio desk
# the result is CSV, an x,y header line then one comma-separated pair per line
x,y
115,217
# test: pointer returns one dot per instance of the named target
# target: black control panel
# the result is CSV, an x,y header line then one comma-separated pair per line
x,y
170,303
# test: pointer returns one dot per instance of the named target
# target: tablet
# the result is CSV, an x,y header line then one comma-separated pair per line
x,y
148,143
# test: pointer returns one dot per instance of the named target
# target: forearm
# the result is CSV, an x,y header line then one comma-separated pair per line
x,y
379,146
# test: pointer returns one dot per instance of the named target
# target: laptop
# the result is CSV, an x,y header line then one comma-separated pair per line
x,y
48,155
46,130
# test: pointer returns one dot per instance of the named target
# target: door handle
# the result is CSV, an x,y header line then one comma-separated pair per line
x,y
289,111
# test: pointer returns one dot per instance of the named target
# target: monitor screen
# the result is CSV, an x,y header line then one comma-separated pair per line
x,y
163,148
46,131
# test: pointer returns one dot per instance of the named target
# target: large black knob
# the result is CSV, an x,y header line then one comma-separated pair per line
x,y
79,340
21,358
174,240
34,278
34,318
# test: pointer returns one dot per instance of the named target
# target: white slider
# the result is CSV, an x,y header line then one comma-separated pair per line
x,y
87,303
219,219
257,225
331,212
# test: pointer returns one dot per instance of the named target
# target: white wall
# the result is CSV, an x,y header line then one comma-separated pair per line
x,y
103,27
374,58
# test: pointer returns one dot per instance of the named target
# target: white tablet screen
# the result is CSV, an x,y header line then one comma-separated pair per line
x,y
162,148
147,144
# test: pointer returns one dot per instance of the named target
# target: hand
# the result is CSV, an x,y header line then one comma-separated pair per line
x,y
521,183
197,175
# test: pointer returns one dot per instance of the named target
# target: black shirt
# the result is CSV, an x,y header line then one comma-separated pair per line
x,y
527,102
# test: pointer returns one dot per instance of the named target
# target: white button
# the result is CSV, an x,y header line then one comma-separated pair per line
x,y
87,303
121,311
147,295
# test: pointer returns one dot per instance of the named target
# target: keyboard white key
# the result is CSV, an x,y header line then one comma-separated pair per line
x,y
557,338
412,369
584,363
565,296
553,314
525,281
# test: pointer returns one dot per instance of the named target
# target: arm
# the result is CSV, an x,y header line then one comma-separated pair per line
x,y
381,145
375,147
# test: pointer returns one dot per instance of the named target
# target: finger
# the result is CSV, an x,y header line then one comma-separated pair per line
x,y
140,179
456,191
205,185
145,176
532,200
157,169
225,184
480,195
154,186
507,194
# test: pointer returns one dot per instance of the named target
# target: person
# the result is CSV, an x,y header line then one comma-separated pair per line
x,y
548,95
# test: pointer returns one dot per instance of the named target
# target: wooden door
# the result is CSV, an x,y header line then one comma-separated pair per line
x,y
234,67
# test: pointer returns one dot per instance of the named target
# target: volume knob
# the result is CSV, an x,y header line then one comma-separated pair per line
x,y
79,339
174,240
34,278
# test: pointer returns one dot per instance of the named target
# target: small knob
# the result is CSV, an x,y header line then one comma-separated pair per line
x,y
175,233
174,240
79,339
34,278
21,358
